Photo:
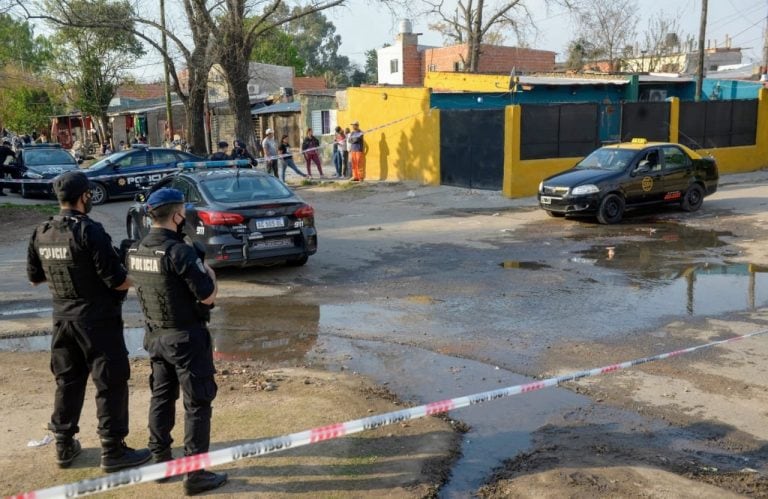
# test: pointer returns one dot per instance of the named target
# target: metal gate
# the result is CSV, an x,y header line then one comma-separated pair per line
x,y
472,148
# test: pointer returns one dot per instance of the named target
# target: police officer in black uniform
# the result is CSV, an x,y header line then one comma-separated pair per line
x,y
74,255
240,152
176,290
221,154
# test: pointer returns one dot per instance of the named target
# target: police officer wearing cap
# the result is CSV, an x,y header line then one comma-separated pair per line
x,y
74,255
240,152
176,290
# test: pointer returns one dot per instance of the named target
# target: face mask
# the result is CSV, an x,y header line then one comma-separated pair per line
x,y
88,204
180,225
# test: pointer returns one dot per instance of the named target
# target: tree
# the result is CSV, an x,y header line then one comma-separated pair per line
x,y
25,109
94,61
610,25
661,38
236,39
196,52
318,44
278,47
475,22
580,52
20,46
372,65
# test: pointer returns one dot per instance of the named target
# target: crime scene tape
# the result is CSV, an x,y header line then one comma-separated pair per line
x,y
188,464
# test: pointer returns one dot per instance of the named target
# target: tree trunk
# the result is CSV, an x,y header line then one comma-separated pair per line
x,y
236,72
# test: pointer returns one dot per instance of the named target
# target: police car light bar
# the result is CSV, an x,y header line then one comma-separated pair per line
x,y
193,165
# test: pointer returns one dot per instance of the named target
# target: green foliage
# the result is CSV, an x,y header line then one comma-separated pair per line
x,y
20,47
94,60
25,109
277,47
581,52
371,65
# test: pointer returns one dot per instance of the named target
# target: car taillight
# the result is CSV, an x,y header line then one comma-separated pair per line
x,y
305,211
220,217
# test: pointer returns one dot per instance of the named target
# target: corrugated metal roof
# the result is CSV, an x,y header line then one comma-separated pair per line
x,y
280,107
553,80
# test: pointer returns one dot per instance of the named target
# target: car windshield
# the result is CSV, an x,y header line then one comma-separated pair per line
x,y
45,157
241,188
109,160
607,158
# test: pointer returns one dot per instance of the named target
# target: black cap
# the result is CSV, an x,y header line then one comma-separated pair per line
x,y
70,185
222,144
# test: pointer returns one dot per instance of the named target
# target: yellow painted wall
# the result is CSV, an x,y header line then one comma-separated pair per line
x,y
401,132
466,82
522,177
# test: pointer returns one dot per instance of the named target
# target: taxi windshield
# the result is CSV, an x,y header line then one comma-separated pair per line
x,y
607,158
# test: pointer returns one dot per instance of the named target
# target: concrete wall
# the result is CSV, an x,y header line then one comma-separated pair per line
x,y
402,134
385,55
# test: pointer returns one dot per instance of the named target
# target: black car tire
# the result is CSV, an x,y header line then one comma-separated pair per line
x,y
555,214
298,262
611,209
693,198
24,192
99,193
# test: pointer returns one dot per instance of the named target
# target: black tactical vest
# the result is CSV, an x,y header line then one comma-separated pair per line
x,y
68,268
165,297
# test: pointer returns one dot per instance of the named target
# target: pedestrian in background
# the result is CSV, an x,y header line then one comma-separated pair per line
x,y
221,154
5,152
347,172
270,151
88,281
339,146
310,146
284,149
357,152
176,291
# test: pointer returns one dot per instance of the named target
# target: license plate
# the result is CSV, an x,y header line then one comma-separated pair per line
x,y
283,242
270,223
546,200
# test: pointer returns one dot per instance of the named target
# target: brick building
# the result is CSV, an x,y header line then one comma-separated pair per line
x,y
406,62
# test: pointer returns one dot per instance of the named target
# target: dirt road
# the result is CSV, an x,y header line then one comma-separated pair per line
x,y
437,292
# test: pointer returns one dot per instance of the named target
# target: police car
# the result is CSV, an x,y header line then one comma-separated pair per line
x,y
39,164
618,177
125,173
241,216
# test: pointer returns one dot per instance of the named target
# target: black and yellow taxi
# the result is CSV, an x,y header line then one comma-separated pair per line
x,y
628,175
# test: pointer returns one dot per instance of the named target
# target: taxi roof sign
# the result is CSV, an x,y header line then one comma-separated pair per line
x,y
640,141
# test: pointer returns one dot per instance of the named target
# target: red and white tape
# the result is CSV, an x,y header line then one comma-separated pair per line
x,y
261,447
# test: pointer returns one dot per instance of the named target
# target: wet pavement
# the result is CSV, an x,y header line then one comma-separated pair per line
x,y
439,319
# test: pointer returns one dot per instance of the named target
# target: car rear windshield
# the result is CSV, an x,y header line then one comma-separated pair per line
x,y
44,157
607,159
238,189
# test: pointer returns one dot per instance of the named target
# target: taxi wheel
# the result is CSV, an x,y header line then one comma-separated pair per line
x,y
693,198
611,209
99,194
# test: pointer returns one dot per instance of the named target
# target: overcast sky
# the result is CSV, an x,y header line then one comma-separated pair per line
x,y
364,25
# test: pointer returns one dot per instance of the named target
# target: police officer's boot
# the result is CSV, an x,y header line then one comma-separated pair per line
x,y
67,449
200,481
115,455
161,457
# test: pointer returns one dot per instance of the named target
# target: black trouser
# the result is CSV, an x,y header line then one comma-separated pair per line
x,y
272,167
181,359
345,170
96,347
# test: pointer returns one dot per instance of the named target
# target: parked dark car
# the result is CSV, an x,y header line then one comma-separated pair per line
x,y
40,163
618,177
126,173
240,216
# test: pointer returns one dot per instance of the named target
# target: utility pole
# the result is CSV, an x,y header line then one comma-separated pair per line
x,y
765,49
168,107
700,63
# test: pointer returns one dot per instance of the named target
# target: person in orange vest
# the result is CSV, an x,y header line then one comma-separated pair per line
x,y
357,152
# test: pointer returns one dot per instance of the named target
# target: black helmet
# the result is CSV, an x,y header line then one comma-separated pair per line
x,y
239,143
